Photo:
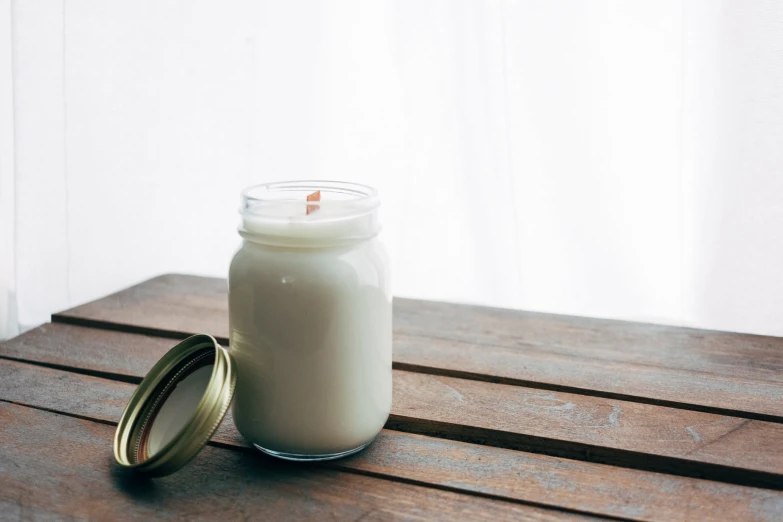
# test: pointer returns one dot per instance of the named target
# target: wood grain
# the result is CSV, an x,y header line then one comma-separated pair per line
x,y
457,466
531,366
601,430
718,372
171,305
56,466
597,429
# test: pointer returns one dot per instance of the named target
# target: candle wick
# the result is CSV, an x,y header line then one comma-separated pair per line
x,y
315,196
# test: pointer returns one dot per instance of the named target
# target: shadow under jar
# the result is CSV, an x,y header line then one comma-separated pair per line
x,y
310,315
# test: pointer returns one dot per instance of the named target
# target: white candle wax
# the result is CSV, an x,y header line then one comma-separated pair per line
x,y
287,222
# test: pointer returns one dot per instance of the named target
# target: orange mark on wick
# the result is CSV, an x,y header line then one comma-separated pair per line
x,y
315,196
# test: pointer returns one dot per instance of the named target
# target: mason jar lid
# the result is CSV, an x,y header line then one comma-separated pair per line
x,y
176,408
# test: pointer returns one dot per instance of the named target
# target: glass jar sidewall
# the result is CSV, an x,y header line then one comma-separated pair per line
x,y
311,335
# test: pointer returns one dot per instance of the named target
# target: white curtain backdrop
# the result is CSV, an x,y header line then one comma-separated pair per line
x,y
604,158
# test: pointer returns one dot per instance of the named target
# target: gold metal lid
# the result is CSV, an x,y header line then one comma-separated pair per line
x,y
176,408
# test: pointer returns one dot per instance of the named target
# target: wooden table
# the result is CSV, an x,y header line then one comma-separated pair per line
x,y
497,415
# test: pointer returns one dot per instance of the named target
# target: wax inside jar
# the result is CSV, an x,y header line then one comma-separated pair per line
x,y
311,335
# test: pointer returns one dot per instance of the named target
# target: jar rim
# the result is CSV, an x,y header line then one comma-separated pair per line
x,y
338,194
284,214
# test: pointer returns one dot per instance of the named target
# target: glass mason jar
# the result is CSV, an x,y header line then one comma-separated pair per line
x,y
310,315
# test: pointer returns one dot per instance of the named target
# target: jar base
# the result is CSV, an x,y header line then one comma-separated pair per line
x,y
296,457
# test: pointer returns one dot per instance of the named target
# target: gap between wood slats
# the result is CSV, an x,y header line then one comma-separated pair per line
x,y
534,444
338,467
585,452
297,486
127,328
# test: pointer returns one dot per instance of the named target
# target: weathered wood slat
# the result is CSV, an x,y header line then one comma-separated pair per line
x,y
719,372
539,479
531,366
662,346
57,466
576,426
171,305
